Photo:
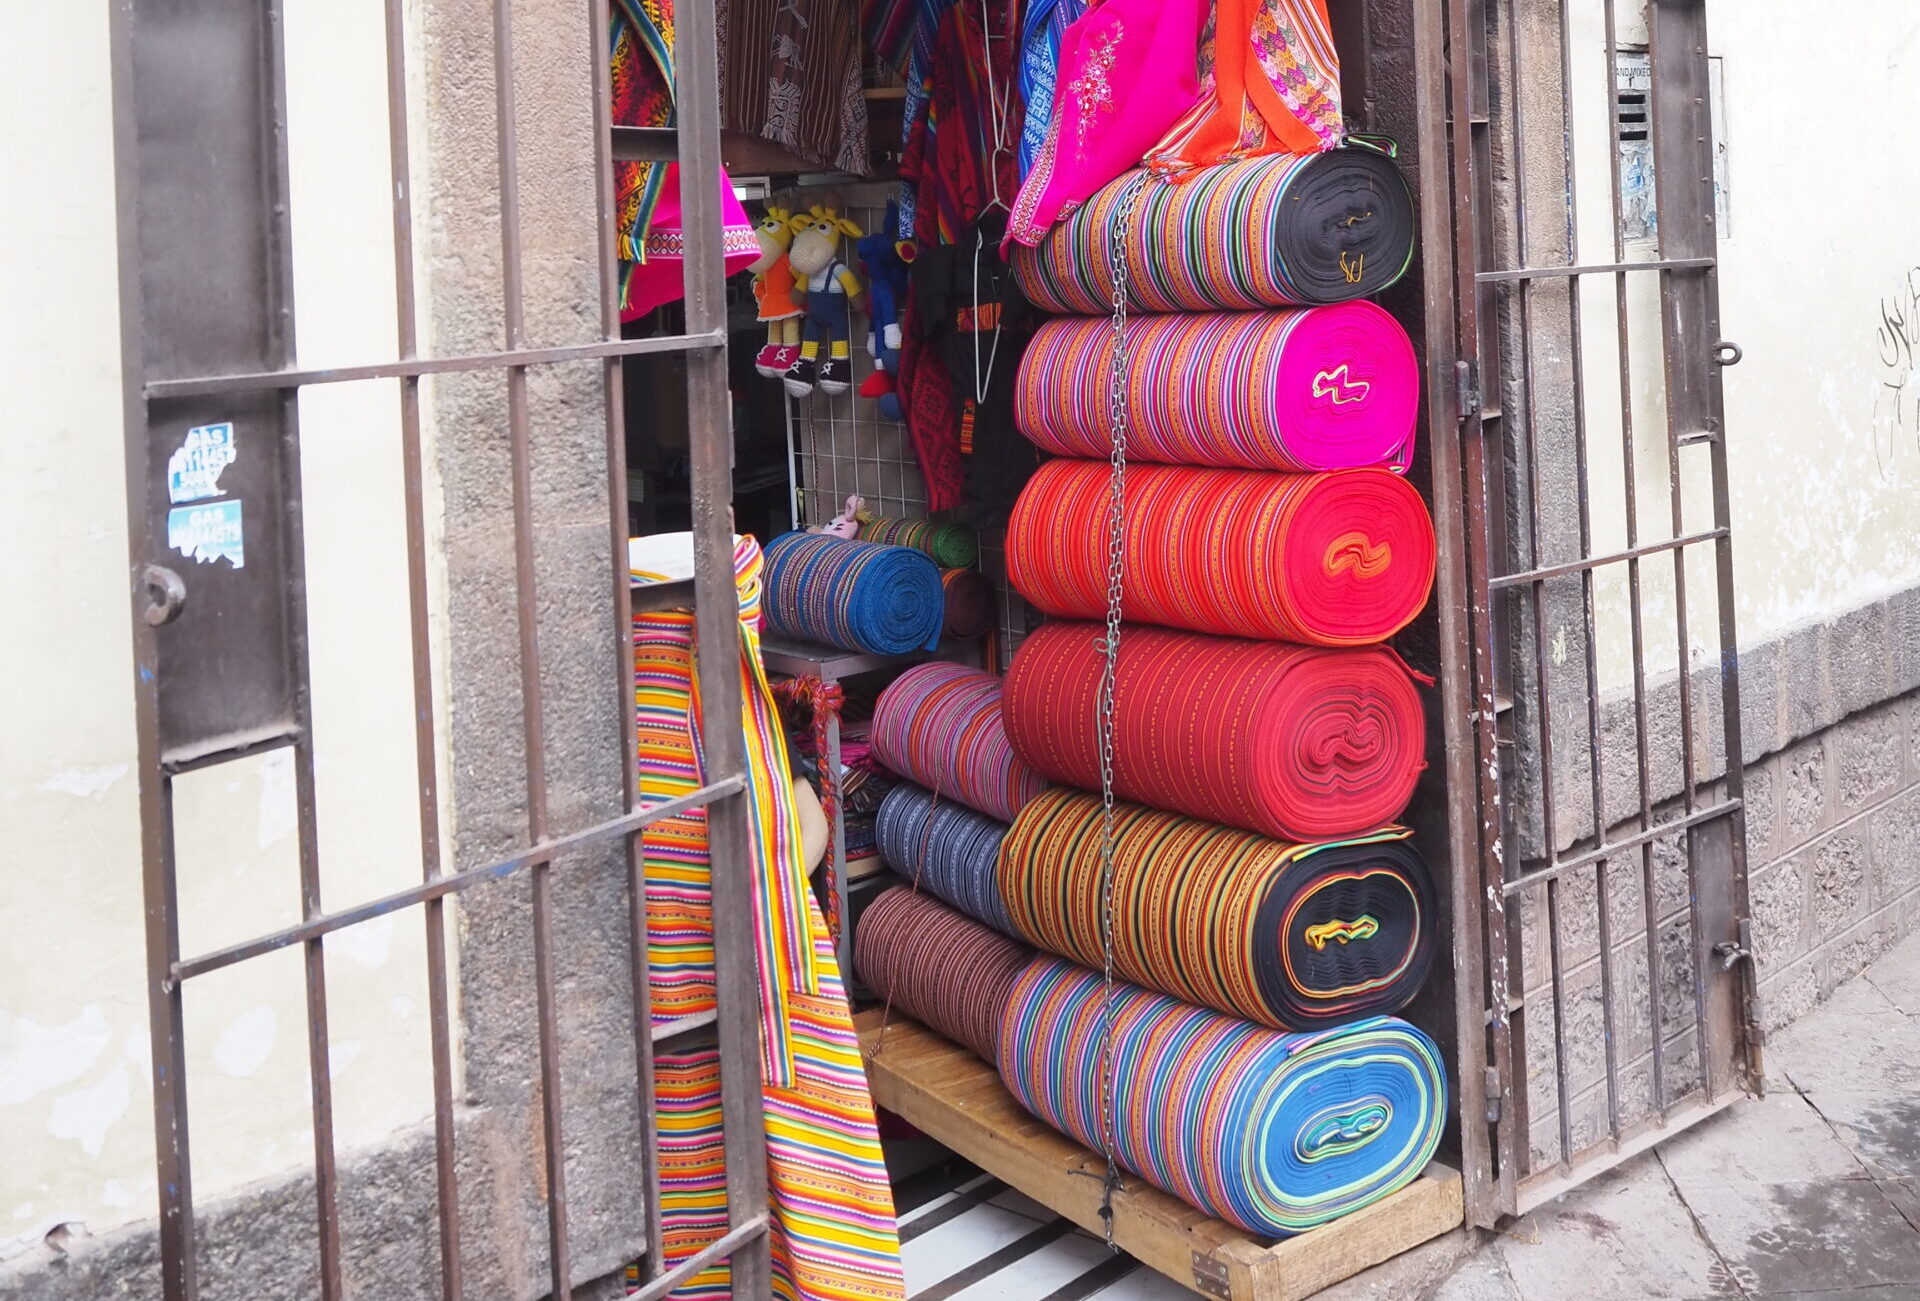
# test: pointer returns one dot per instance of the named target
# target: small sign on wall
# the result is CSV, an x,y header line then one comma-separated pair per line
x,y
1633,97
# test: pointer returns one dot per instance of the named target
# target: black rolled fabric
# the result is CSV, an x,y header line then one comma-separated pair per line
x,y
945,848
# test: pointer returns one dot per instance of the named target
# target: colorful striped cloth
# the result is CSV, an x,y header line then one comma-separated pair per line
x,y
859,596
1279,231
926,961
833,1230
973,607
1339,559
1276,1133
944,848
1290,936
952,546
939,724
1321,388
1294,742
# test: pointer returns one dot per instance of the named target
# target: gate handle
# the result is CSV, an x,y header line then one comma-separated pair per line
x,y
1726,353
166,594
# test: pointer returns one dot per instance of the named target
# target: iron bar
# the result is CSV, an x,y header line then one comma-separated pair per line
x,y
1590,563
1696,818
680,1027
416,367
441,886
752,1229
1620,267
1557,975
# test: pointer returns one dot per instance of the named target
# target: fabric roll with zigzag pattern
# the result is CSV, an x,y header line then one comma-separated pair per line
x,y
1289,936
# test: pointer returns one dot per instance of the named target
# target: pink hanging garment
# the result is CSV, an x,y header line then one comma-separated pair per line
x,y
1128,72
658,279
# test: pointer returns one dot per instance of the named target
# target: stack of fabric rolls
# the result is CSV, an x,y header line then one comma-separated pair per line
x,y
1264,915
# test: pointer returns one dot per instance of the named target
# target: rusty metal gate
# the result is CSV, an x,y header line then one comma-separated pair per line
x,y
1606,992
213,394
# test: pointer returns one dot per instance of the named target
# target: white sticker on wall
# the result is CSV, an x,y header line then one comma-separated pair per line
x,y
193,471
208,532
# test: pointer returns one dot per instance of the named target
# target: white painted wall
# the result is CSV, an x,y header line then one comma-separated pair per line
x,y
75,1110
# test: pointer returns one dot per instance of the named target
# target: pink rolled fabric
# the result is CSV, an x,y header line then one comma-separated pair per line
x,y
940,725
1127,74
1321,388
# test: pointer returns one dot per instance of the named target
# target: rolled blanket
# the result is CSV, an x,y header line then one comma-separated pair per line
x,y
945,847
972,606
1279,231
1319,388
926,960
858,596
952,546
1338,559
939,725
1273,1132
1294,742
1291,936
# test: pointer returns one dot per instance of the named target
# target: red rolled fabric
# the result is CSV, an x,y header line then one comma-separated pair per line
x,y
1298,743
1325,388
1338,559
940,725
939,966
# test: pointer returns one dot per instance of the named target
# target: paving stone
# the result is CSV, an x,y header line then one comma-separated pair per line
x,y
1897,975
1856,1040
1625,1235
1881,1130
1815,1236
1778,1139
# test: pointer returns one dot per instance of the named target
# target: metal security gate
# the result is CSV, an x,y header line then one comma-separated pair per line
x,y
213,394
1606,991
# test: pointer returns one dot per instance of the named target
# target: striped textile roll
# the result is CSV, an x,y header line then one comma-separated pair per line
x,y
939,724
952,546
1290,936
1319,388
858,596
1339,559
1295,742
1273,1132
972,606
1278,231
933,964
946,848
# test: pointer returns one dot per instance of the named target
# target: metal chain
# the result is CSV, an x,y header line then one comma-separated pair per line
x,y
1117,413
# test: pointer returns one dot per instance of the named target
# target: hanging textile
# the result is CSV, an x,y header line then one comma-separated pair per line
x,y
1285,230
1126,75
1294,742
790,73
1273,1132
833,1233
926,961
1290,936
959,158
1275,87
1324,388
1338,559
1043,27
939,724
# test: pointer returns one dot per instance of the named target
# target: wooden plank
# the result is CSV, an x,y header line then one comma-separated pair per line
x,y
958,1100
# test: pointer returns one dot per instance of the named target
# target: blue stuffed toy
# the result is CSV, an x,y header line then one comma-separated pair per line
x,y
885,262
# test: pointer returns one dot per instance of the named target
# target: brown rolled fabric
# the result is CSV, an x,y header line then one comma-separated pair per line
x,y
939,967
971,605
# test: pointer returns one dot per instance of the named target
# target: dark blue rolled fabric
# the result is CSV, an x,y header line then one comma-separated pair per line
x,y
859,596
947,849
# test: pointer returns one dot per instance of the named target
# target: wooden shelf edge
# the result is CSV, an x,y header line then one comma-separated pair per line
x,y
959,1100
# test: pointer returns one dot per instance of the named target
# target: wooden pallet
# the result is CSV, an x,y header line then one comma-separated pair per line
x,y
959,1100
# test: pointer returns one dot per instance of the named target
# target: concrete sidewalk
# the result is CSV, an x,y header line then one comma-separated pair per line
x,y
1810,1192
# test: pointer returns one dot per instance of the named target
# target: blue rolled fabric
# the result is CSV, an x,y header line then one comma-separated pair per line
x,y
945,848
859,596
1274,1132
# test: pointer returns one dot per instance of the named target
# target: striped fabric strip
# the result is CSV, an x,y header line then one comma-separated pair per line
x,y
1278,231
1289,936
1276,1133
926,961
1323,388
859,596
939,724
1339,559
946,849
952,545
1294,742
833,1209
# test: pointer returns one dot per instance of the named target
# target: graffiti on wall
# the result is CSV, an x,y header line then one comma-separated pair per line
x,y
1896,403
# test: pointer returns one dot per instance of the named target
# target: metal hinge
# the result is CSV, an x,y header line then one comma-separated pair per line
x,y
1467,374
1210,1276
1493,1096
